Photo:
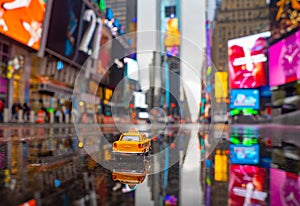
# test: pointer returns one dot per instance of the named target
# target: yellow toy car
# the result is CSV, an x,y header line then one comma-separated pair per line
x,y
132,142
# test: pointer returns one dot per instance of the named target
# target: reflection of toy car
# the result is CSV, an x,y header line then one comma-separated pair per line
x,y
130,170
132,142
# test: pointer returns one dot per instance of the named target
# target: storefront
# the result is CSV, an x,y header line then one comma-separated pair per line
x,y
51,85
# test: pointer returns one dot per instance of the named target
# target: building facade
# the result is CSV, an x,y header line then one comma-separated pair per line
x,y
234,19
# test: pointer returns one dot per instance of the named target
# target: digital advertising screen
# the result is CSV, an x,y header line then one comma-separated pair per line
x,y
284,188
247,186
284,17
23,21
241,154
247,61
74,30
244,98
284,60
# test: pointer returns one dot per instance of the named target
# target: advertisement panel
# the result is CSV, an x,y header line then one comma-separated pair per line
x,y
244,98
221,85
78,33
247,185
284,60
284,17
247,61
172,37
104,58
284,188
22,21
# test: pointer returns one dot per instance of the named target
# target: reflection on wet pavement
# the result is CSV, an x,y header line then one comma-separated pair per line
x,y
205,165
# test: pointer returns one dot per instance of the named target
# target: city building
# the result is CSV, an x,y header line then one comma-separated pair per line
x,y
227,25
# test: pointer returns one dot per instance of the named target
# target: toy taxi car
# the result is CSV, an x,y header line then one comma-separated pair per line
x,y
132,142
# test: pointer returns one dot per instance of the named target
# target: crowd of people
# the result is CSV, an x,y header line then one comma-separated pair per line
x,y
42,115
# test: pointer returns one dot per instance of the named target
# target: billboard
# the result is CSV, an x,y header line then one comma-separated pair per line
x,y
244,149
78,33
284,188
172,37
284,60
244,98
284,17
247,61
221,85
22,21
247,185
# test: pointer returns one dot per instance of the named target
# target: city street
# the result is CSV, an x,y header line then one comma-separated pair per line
x,y
50,165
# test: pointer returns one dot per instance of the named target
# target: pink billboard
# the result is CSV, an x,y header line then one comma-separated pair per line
x,y
247,61
284,60
284,188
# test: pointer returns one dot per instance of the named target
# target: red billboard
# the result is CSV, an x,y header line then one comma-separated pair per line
x,y
247,185
247,61
22,21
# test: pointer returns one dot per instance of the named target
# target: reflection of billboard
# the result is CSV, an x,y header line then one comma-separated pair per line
x,y
284,188
247,185
241,154
284,17
247,61
244,98
221,85
284,60
22,21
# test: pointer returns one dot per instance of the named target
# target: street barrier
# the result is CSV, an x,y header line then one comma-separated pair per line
x,y
5,115
20,116
32,117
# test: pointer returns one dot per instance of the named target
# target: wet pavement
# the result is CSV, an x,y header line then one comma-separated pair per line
x,y
187,165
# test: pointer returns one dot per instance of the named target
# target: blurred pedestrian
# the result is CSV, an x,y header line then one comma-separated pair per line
x,y
26,112
1,110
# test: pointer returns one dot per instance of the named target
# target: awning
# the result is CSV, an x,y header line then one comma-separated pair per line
x,y
58,90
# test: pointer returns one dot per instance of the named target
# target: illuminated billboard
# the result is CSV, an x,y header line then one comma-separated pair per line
x,y
74,31
221,85
284,17
247,185
244,98
22,21
284,60
284,188
247,61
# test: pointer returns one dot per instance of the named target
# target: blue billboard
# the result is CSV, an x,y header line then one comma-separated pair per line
x,y
244,98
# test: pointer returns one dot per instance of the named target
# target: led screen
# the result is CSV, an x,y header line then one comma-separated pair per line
x,y
247,61
22,21
284,60
244,98
74,31
284,17
241,154
284,188
247,185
